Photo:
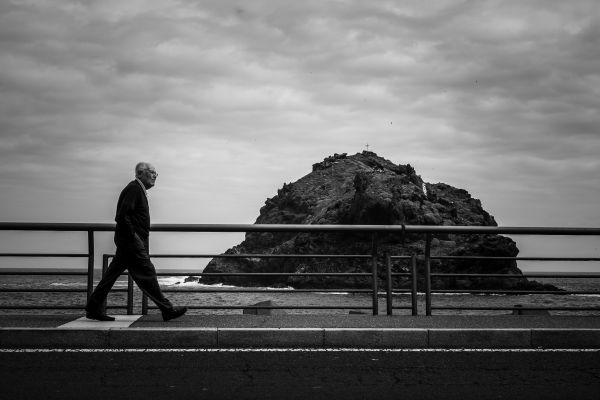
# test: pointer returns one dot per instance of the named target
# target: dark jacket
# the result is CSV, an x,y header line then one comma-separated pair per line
x,y
133,215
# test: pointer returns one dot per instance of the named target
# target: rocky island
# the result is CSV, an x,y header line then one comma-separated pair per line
x,y
367,189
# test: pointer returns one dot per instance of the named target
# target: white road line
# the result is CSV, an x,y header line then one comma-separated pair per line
x,y
314,350
121,321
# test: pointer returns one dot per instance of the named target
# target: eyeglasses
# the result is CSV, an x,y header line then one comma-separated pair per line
x,y
151,172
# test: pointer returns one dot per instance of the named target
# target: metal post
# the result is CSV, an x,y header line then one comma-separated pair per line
x,y
129,295
144,304
374,268
104,267
413,271
388,266
428,274
90,269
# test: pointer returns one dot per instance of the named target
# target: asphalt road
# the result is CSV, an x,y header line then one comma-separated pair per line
x,y
310,374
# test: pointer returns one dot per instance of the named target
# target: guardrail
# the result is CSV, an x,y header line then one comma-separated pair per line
x,y
373,258
367,257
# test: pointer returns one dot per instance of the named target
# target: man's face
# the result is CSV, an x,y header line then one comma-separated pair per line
x,y
148,176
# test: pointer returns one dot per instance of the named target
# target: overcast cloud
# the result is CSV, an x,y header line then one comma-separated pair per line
x,y
230,99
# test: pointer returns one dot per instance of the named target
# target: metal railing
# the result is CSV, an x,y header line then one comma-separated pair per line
x,y
372,275
514,230
429,292
374,258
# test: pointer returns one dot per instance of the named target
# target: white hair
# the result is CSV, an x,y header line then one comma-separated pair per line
x,y
140,167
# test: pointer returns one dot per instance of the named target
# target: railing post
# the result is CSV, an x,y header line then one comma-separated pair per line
x,y
388,266
374,268
144,304
90,268
129,294
428,274
104,267
413,273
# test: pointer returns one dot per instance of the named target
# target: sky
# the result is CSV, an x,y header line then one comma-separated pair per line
x,y
230,99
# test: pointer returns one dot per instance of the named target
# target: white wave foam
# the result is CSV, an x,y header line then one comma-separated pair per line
x,y
180,282
336,293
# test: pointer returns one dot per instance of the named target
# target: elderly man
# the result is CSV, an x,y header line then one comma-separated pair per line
x,y
131,238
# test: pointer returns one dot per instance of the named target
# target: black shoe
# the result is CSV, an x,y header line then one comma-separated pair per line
x,y
99,316
173,313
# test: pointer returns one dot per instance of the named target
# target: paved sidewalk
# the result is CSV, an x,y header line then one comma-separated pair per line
x,y
310,331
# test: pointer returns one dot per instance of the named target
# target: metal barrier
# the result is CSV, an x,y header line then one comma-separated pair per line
x,y
429,291
401,230
373,275
548,231
390,279
89,273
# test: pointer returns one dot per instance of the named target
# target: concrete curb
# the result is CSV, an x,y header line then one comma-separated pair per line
x,y
162,338
42,338
565,338
409,338
375,337
270,337
480,338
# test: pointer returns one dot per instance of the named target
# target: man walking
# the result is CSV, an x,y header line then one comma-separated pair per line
x,y
131,237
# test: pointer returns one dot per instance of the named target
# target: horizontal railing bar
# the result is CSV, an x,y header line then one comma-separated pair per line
x,y
515,258
41,290
517,276
275,307
48,255
561,275
557,308
21,290
99,227
74,307
450,275
192,273
268,290
270,274
482,291
27,273
50,226
259,256
196,274
57,307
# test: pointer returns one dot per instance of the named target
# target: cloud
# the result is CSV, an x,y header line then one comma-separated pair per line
x,y
231,99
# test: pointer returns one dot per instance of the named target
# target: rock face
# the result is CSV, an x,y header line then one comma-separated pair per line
x,y
366,189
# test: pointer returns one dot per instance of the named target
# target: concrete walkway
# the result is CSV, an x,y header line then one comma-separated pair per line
x,y
306,331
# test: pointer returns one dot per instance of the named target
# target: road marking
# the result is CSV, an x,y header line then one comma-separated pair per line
x,y
308,350
121,321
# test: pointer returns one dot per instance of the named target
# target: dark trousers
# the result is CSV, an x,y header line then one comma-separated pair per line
x,y
135,258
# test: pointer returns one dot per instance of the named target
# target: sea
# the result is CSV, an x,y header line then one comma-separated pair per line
x,y
195,294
